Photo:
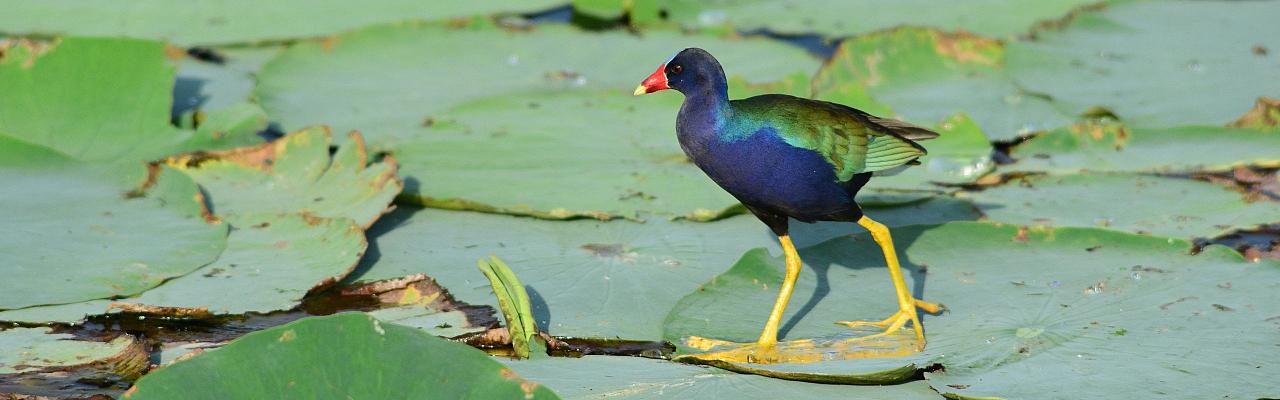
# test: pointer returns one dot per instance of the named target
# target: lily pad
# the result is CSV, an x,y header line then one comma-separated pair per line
x,y
925,74
227,22
345,355
585,277
76,232
390,81
1141,59
1132,203
1109,147
1003,19
28,350
1057,305
295,174
619,155
119,91
596,377
271,262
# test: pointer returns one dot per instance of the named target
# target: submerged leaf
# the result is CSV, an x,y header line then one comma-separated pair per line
x,y
25,350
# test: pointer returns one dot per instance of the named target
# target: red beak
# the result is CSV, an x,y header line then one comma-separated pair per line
x,y
655,82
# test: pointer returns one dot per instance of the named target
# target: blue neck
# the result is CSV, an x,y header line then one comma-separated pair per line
x,y
703,116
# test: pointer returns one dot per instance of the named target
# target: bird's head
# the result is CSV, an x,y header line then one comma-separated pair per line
x,y
683,72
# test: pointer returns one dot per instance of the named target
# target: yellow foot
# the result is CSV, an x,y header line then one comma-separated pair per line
x,y
801,351
899,319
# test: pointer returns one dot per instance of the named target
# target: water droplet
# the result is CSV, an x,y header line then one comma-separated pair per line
x,y
1137,276
513,59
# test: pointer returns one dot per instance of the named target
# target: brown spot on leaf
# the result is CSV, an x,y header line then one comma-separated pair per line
x,y
965,47
1220,307
1264,115
287,336
1021,235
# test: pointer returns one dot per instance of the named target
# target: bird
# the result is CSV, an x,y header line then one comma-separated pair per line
x,y
785,157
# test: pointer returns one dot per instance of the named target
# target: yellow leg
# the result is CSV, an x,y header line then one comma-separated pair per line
x,y
906,303
769,336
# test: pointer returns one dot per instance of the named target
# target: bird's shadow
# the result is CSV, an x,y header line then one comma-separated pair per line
x,y
821,262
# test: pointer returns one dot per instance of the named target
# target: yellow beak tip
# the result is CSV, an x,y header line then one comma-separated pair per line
x,y
639,90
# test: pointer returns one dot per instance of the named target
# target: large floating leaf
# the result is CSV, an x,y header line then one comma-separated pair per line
x,y
597,377
927,75
997,18
295,174
561,155
1113,147
91,99
105,100
25,350
234,21
1174,207
77,232
391,81
271,262
1143,60
498,155
349,355
1052,312
585,277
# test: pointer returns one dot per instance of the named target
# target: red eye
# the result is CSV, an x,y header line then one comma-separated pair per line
x,y
675,69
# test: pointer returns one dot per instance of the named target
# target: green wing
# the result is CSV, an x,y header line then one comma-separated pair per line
x,y
850,140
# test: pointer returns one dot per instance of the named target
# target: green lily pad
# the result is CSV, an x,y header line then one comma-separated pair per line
x,y
499,155
927,75
295,174
1141,59
76,232
996,18
272,261
228,22
1107,147
24,350
585,277
1132,203
390,81
596,377
1055,309
345,355
119,91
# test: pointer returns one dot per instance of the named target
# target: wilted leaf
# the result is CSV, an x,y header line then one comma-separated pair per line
x,y
1174,207
226,22
596,377
345,355
295,175
24,350
1156,64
